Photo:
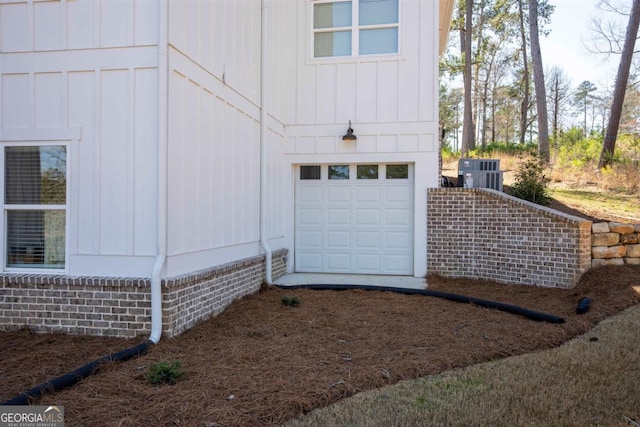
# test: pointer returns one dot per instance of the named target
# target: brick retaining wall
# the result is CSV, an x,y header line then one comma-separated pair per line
x,y
613,243
486,234
121,307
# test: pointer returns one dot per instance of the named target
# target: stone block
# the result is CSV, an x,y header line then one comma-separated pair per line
x,y
600,262
600,227
632,261
630,239
617,227
605,239
633,251
606,252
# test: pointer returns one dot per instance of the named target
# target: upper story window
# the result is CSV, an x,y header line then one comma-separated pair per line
x,y
355,28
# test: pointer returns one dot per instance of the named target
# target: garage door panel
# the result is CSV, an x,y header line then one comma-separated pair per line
x,y
310,261
367,217
310,193
338,193
339,262
310,239
338,240
398,263
398,194
338,216
367,193
358,226
367,239
367,263
310,216
397,217
397,240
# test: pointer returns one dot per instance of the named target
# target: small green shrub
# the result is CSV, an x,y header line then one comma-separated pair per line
x,y
531,183
288,301
164,372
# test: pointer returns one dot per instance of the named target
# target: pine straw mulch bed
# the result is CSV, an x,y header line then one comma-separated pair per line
x,y
261,363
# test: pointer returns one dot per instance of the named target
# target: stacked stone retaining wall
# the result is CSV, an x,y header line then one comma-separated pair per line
x,y
614,243
121,307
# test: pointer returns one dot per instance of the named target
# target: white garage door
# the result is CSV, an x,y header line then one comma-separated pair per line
x,y
354,219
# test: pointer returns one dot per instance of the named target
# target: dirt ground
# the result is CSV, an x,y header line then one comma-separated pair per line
x,y
261,363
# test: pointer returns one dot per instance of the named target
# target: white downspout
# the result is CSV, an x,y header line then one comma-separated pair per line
x,y
161,255
264,46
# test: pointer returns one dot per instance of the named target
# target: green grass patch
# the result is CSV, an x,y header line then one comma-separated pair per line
x,y
622,205
574,385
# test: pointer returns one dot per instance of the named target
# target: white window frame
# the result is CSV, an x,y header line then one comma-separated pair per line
x,y
13,207
355,29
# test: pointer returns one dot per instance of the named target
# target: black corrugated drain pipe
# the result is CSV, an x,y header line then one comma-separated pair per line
x,y
514,309
67,380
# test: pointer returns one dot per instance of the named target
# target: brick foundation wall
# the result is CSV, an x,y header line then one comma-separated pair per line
x,y
121,307
190,299
485,234
613,243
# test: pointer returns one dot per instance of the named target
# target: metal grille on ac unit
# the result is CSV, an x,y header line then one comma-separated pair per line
x,y
480,173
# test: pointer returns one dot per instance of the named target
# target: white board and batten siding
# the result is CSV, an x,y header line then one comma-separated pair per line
x,y
86,73
214,137
392,103
89,69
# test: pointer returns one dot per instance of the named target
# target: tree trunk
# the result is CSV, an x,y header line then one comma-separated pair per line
x,y
485,99
538,78
524,107
477,64
556,106
611,134
468,142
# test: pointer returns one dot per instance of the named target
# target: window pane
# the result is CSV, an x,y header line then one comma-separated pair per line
x,y
337,43
36,238
383,40
375,12
339,172
397,171
309,172
332,15
367,171
36,175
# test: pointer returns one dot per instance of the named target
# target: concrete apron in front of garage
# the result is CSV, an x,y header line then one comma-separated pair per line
x,y
409,282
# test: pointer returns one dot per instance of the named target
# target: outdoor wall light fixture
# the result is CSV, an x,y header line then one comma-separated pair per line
x,y
349,136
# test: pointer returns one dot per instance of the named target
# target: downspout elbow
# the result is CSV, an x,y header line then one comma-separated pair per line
x,y
268,257
156,297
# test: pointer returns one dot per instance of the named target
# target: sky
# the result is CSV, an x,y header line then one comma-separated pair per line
x,y
565,45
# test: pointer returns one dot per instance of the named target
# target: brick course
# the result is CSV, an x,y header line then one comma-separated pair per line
x,y
121,307
486,234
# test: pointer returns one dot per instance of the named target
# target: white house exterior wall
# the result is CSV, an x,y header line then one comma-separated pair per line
x,y
394,122
336,90
84,73
93,72
90,74
214,137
